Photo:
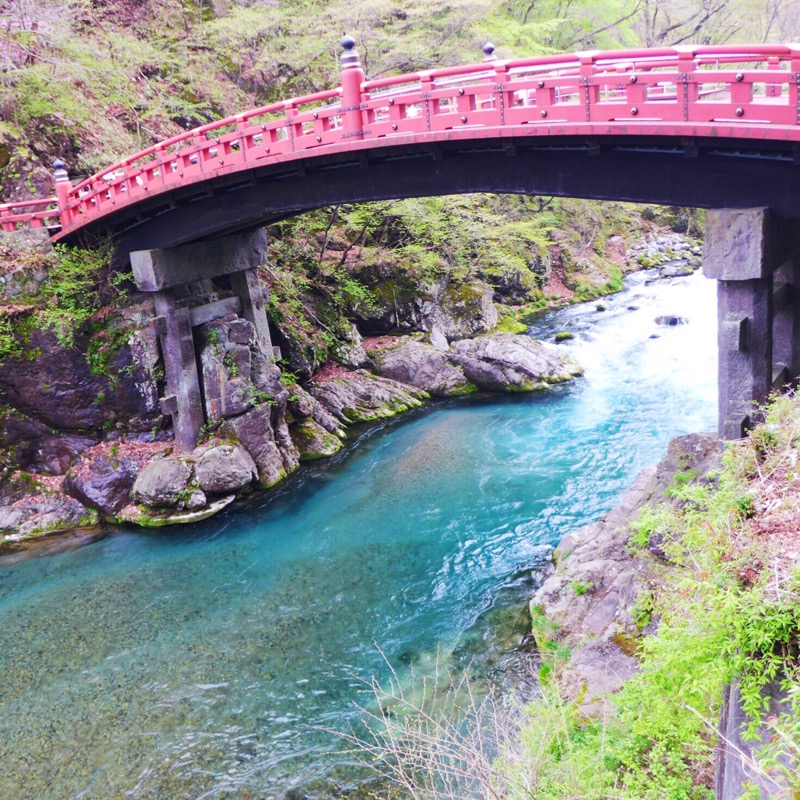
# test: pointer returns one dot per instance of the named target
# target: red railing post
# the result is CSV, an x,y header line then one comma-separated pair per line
x,y
5,223
794,81
589,92
686,84
352,78
63,186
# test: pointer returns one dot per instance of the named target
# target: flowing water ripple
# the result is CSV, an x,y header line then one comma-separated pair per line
x,y
209,661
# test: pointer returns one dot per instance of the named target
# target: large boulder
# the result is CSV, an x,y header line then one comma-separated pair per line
x,y
225,468
403,303
424,366
273,456
103,483
362,397
463,310
39,514
508,362
313,441
163,483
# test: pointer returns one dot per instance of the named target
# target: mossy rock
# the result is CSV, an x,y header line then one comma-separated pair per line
x,y
313,441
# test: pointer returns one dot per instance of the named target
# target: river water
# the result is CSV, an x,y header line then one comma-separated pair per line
x,y
208,662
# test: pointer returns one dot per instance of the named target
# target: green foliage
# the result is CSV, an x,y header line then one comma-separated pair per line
x,y
508,321
288,378
714,626
77,286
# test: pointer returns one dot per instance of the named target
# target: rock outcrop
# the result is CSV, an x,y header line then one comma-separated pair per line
x,y
42,510
104,483
509,362
362,397
496,362
424,366
458,309
588,602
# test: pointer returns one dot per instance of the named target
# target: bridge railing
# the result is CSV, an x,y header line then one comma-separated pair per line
x,y
30,214
749,90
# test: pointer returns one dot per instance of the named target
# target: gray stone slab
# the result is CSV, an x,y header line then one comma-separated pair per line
x,y
745,351
743,244
155,270
786,325
200,315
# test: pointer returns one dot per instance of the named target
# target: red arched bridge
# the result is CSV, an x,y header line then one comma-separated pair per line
x,y
700,126
713,127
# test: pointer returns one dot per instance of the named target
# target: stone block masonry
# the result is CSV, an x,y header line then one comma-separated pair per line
x,y
753,254
173,276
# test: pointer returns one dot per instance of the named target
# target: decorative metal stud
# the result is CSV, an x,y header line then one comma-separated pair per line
x,y
394,126
461,92
540,84
634,111
316,115
739,77
464,118
319,138
633,78
543,112
740,112
391,101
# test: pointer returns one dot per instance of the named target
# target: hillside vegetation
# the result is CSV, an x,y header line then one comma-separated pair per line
x,y
93,80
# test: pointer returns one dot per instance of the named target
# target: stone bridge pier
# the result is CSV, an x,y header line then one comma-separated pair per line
x,y
755,257
180,280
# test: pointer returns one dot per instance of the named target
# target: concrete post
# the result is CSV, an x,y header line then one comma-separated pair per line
x,y
744,338
786,324
183,401
743,250
248,289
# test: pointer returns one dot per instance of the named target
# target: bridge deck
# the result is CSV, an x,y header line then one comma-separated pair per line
x,y
743,96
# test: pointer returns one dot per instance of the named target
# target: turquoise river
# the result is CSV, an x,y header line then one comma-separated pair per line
x,y
211,661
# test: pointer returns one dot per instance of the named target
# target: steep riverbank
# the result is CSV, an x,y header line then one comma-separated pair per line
x,y
669,629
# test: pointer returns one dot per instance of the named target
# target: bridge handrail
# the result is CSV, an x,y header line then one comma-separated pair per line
x,y
592,88
29,213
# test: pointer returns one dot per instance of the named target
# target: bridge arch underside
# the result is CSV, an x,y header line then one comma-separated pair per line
x,y
752,243
704,172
